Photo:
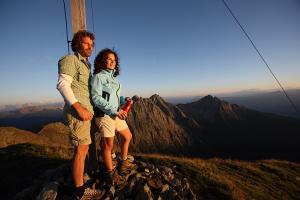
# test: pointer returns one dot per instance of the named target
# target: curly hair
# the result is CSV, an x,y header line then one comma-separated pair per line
x,y
77,39
100,61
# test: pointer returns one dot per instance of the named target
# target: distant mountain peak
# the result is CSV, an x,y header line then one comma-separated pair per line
x,y
157,98
211,108
211,100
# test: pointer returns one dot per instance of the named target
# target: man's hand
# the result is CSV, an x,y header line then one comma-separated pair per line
x,y
83,113
122,114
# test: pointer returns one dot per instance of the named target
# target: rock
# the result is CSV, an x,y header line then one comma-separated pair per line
x,y
143,164
191,195
165,188
157,170
132,184
172,195
130,158
166,170
185,183
148,181
175,182
49,192
144,193
151,167
154,182
26,193
86,178
164,191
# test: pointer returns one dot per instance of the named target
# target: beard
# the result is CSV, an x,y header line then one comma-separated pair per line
x,y
86,52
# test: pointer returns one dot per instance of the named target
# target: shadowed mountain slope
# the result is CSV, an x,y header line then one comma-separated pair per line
x,y
208,127
236,131
158,126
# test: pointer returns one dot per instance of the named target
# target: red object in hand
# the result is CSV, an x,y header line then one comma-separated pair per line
x,y
128,105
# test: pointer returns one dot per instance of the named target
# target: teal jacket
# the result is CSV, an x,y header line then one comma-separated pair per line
x,y
105,92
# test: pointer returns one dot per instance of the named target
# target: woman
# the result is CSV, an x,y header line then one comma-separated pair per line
x,y
110,118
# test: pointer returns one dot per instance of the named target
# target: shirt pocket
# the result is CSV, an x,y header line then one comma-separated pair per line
x,y
83,78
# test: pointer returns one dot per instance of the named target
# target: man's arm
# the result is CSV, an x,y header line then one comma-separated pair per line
x,y
64,87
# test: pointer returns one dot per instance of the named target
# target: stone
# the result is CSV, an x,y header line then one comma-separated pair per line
x,y
132,185
191,195
151,166
143,164
154,182
130,158
166,170
175,182
86,178
172,195
49,192
148,181
165,188
144,194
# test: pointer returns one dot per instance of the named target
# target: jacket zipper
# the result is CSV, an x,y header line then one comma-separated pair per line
x,y
119,85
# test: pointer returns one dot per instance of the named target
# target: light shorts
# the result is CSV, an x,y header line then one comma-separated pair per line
x,y
80,131
108,126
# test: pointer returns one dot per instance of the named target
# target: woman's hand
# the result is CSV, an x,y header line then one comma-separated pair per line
x,y
122,114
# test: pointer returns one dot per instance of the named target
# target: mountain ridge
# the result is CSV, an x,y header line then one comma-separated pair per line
x,y
53,134
209,127
221,130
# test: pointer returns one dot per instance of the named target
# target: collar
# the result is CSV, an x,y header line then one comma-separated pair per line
x,y
87,63
109,71
79,56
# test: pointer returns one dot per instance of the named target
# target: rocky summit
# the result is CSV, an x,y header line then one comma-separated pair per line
x,y
146,181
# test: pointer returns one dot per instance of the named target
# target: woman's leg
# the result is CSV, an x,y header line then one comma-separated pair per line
x,y
107,145
125,140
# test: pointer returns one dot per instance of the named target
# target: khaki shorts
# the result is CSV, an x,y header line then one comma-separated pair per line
x,y
80,131
108,126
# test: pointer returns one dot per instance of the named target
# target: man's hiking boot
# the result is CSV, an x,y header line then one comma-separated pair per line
x,y
89,194
125,166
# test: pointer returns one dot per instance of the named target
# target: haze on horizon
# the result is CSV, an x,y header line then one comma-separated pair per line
x,y
170,48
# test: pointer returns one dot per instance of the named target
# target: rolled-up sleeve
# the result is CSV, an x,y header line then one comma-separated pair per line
x,y
98,100
64,87
66,72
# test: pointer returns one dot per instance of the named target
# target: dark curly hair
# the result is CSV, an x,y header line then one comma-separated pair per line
x,y
77,39
100,61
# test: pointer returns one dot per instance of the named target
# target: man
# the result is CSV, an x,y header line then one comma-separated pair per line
x,y
73,84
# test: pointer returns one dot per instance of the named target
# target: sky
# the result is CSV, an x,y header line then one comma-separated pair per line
x,y
169,47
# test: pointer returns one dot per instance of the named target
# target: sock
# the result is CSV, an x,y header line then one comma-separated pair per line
x,y
79,191
113,156
123,159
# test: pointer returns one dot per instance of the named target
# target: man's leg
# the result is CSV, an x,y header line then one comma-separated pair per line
x,y
92,159
78,164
